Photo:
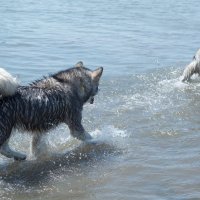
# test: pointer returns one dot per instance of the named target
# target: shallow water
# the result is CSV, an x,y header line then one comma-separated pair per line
x,y
145,122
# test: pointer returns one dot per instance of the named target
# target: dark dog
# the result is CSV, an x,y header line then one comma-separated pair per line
x,y
45,103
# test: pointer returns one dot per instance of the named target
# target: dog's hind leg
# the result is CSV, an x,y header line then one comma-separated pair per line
x,y
8,152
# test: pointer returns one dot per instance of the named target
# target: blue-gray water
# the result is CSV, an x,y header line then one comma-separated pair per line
x,y
145,121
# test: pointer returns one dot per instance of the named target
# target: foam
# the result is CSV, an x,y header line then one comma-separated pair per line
x,y
171,84
108,132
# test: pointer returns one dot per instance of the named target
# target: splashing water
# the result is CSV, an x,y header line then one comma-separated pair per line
x,y
138,120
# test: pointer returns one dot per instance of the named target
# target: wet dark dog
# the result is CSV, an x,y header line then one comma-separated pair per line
x,y
44,104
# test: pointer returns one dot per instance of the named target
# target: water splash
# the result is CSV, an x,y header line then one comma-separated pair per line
x,y
108,133
153,105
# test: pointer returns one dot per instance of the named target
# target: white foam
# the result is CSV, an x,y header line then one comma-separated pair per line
x,y
108,132
171,84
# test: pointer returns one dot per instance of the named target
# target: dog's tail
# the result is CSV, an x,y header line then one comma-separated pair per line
x,y
8,83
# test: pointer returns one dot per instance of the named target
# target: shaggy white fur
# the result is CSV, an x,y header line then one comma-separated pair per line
x,y
8,83
192,68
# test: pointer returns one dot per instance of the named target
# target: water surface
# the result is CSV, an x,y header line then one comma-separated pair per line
x,y
145,122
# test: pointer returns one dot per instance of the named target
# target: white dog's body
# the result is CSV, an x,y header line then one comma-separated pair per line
x,y
192,68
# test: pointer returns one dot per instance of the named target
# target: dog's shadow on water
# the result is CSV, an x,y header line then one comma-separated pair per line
x,y
31,172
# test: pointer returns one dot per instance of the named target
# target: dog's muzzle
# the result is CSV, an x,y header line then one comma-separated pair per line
x,y
91,100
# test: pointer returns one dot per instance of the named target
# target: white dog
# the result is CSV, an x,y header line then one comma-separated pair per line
x,y
192,68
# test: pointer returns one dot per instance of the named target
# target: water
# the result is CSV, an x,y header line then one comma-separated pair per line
x,y
145,122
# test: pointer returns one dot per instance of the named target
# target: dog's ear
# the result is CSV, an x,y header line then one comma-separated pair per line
x,y
79,64
96,74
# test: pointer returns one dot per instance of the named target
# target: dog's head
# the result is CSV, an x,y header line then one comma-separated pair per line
x,y
84,82
88,82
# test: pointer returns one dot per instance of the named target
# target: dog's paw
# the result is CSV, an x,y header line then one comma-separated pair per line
x,y
87,136
20,157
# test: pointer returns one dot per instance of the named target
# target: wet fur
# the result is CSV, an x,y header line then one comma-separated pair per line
x,y
192,68
46,103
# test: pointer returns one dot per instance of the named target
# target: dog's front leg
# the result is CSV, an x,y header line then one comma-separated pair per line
x,y
80,134
190,69
76,128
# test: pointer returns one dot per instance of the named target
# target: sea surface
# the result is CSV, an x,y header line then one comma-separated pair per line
x,y
144,121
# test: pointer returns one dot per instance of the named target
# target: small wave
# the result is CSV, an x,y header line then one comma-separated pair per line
x,y
108,132
156,91
166,132
171,84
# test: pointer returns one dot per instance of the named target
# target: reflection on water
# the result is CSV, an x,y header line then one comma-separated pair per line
x,y
34,171
33,176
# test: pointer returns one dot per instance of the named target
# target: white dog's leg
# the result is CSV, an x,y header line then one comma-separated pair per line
x,y
8,152
190,70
